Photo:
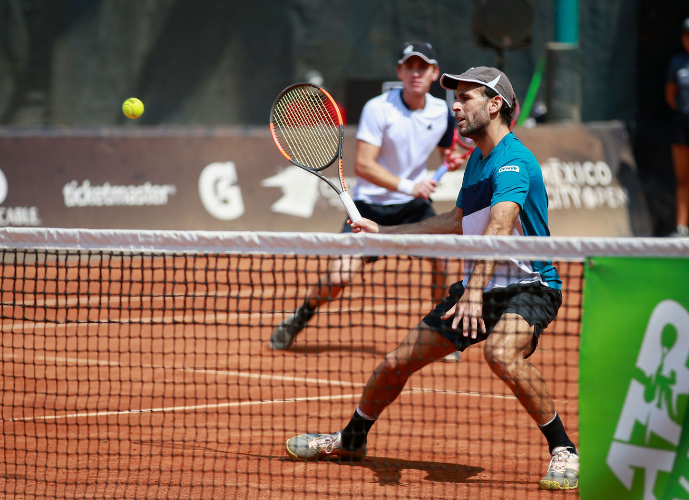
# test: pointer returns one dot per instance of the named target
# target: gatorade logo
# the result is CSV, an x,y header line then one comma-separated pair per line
x,y
649,429
219,194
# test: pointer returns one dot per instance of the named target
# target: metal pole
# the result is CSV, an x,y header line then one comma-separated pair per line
x,y
567,21
563,65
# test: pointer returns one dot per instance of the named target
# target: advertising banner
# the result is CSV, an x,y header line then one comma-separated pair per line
x,y
634,380
234,179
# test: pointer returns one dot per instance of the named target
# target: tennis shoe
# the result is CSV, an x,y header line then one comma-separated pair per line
x,y
286,332
311,447
453,357
680,232
563,472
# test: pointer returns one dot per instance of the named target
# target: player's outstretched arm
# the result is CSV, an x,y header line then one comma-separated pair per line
x,y
445,223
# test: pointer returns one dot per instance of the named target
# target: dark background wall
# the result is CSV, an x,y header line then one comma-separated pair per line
x,y
658,36
221,62
72,62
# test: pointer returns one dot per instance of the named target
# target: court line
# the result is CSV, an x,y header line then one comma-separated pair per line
x,y
217,318
229,373
63,299
226,373
172,409
181,408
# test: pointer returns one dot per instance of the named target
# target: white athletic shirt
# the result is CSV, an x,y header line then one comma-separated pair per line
x,y
406,139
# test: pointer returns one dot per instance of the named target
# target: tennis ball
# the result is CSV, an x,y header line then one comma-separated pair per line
x,y
133,108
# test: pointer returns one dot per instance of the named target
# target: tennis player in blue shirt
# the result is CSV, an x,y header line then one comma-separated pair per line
x,y
505,304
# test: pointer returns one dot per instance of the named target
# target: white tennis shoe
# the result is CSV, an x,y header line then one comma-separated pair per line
x,y
312,447
563,472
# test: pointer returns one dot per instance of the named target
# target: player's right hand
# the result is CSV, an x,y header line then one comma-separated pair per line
x,y
364,226
469,311
455,160
425,188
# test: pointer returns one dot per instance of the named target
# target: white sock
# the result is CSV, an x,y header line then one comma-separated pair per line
x,y
551,420
362,414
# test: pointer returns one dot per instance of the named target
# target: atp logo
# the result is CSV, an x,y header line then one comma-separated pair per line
x,y
649,428
219,194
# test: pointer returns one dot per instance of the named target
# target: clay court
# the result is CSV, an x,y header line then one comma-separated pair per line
x,y
151,377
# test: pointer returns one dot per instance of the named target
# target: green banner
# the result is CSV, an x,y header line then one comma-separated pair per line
x,y
678,485
634,379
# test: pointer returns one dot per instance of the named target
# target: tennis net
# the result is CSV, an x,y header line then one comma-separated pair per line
x,y
136,364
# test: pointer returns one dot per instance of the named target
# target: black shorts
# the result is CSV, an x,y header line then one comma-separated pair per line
x,y
680,128
393,215
536,303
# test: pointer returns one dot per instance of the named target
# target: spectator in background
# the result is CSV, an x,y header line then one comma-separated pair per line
x,y
677,97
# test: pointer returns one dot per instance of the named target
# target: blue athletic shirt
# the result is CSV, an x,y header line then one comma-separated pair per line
x,y
509,173
678,73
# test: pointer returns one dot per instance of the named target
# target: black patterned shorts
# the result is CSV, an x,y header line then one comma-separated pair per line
x,y
536,303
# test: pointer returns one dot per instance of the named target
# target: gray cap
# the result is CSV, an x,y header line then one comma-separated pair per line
x,y
422,49
685,25
489,77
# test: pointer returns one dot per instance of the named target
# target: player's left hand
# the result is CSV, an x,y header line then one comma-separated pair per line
x,y
468,310
425,188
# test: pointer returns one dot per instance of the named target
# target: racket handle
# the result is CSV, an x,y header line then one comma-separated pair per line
x,y
350,206
440,172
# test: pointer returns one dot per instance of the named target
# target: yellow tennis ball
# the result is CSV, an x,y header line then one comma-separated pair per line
x,y
133,108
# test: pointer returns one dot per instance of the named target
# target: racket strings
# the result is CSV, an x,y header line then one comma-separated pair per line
x,y
306,127
295,122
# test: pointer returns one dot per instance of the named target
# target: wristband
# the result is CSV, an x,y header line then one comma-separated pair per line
x,y
406,186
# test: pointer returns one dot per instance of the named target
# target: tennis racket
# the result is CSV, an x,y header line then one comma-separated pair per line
x,y
470,149
307,128
456,141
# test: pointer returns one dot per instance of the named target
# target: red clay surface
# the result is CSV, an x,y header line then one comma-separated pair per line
x,y
159,383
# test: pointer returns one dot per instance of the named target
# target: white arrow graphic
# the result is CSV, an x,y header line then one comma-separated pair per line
x,y
299,192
